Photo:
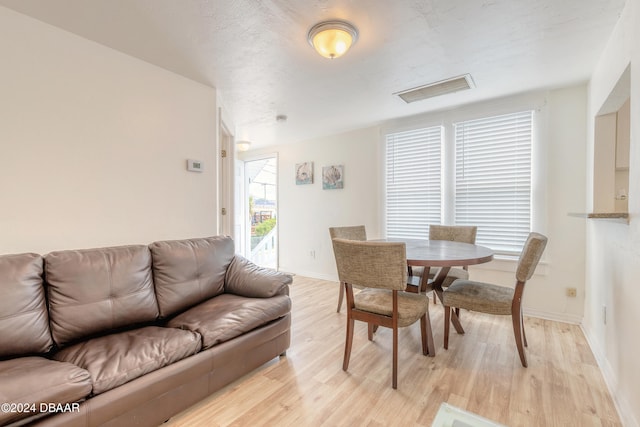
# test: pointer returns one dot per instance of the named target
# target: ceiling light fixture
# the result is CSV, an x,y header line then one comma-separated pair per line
x,y
332,39
243,145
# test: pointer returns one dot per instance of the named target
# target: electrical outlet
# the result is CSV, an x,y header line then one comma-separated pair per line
x,y
572,292
312,254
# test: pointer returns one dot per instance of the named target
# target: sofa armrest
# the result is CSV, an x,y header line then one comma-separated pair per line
x,y
247,279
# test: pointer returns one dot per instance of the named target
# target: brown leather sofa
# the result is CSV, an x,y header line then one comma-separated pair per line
x,y
131,335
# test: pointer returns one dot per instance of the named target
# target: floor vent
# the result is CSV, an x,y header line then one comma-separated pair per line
x,y
454,84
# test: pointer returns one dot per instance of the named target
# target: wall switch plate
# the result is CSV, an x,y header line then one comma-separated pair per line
x,y
194,165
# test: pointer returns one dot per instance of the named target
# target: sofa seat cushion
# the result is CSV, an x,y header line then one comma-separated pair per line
x,y
36,380
113,360
227,316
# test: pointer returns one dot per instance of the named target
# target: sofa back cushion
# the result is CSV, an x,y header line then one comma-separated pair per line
x,y
92,291
24,324
189,271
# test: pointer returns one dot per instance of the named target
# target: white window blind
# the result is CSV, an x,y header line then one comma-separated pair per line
x,y
413,182
493,179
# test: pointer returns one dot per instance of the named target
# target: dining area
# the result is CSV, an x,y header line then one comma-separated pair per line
x,y
389,283
479,374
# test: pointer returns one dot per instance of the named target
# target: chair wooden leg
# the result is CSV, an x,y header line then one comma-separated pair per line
x,y
347,344
458,312
518,332
524,335
423,335
447,321
394,379
370,331
435,299
341,296
428,347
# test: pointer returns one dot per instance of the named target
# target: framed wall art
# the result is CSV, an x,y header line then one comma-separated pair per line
x,y
304,173
332,177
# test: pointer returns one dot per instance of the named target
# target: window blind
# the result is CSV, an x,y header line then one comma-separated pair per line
x,y
493,179
413,182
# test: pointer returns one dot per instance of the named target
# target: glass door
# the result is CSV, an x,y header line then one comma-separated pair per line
x,y
261,242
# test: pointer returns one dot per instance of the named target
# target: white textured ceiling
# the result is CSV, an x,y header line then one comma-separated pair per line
x,y
255,52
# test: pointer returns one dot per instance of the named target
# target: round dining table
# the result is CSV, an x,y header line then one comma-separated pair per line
x,y
443,254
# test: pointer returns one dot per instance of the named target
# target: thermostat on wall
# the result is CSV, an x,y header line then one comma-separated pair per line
x,y
194,165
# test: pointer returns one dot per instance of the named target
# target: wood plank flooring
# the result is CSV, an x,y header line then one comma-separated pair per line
x,y
480,372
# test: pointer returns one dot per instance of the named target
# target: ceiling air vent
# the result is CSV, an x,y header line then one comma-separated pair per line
x,y
442,87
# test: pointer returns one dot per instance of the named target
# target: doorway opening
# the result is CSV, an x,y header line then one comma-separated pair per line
x,y
262,211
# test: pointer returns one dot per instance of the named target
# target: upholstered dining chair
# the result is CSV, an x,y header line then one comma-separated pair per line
x,y
455,233
494,299
355,232
380,268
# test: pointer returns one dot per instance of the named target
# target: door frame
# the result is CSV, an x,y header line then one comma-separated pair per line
x,y
226,185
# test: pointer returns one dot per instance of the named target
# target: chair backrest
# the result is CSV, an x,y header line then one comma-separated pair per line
x,y
356,232
530,256
371,264
456,233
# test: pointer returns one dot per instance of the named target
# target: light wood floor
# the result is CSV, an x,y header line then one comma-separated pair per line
x,y
480,372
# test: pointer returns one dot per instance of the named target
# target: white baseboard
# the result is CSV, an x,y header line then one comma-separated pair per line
x,y
621,403
558,317
310,274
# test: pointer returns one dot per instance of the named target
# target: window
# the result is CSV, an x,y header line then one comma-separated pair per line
x,y
486,181
413,181
493,179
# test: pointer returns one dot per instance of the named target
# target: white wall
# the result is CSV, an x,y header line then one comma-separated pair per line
x,y
306,212
93,145
613,247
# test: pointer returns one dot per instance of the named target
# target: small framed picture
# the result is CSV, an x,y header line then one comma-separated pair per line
x,y
304,173
332,177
